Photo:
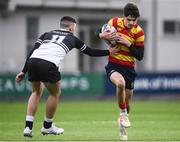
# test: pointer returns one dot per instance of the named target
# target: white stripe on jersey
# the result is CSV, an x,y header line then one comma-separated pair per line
x,y
65,47
39,41
50,52
46,41
83,47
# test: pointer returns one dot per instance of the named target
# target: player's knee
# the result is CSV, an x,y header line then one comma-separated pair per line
x,y
57,94
37,92
120,84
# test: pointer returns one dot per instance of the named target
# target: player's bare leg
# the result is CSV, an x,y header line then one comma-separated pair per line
x,y
129,94
53,98
119,81
51,105
123,120
123,131
37,90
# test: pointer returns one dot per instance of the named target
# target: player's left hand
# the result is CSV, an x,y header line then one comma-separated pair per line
x,y
20,76
123,40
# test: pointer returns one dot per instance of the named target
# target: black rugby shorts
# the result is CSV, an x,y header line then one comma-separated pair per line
x,y
42,70
128,73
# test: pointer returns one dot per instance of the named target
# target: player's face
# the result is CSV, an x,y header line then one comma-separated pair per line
x,y
130,21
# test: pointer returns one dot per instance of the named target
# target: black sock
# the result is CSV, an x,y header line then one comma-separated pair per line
x,y
47,124
29,124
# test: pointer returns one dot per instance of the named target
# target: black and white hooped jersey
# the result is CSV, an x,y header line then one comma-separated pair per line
x,y
54,45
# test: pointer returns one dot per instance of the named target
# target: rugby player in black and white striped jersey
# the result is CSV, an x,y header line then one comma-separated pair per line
x,y
42,66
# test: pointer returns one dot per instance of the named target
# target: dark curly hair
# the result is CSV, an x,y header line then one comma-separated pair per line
x,y
132,10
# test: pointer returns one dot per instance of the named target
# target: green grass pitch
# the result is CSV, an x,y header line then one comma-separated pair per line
x,y
95,121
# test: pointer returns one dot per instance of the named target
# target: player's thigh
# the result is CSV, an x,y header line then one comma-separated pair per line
x,y
117,78
37,87
53,88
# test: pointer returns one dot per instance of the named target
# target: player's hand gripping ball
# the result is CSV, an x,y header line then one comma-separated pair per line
x,y
109,28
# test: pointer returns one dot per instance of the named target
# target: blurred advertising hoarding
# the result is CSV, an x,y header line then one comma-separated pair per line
x,y
151,83
96,84
71,84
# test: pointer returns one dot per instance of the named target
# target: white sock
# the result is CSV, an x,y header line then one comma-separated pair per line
x,y
48,119
123,111
29,118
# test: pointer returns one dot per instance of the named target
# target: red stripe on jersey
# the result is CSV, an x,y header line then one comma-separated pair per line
x,y
125,32
139,34
125,53
115,19
126,63
140,43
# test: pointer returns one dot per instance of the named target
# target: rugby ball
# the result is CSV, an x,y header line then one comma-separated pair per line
x,y
107,27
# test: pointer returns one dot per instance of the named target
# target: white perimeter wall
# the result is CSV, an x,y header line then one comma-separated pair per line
x,y
13,37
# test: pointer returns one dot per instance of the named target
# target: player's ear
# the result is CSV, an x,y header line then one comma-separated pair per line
x,y
72,28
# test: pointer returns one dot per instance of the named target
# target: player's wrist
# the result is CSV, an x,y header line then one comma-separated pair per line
x,y
129,44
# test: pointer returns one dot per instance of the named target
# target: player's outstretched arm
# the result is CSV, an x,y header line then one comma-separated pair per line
x,y
93,52
96,52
